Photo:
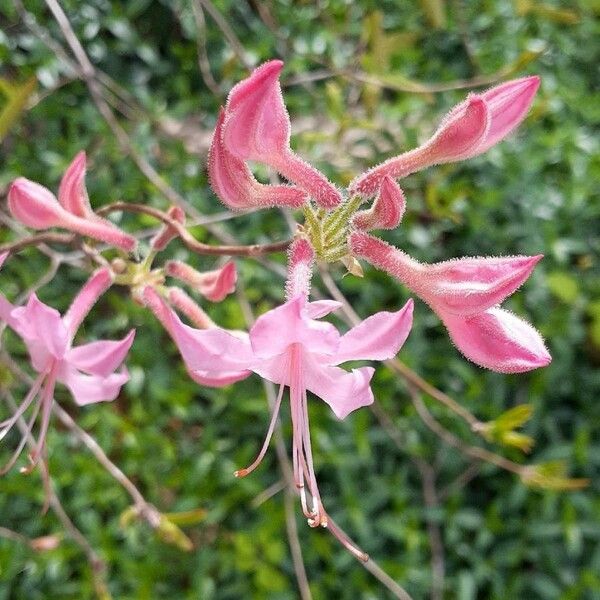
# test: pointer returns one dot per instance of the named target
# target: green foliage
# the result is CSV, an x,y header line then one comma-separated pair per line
x,y
538,191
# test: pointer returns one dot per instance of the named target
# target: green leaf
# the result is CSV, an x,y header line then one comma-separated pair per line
x,y
16,96
563,286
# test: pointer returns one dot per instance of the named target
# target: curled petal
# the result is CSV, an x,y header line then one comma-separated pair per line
x,y
387,210
214,285
498,340
378,337
321,308
234,184
274,332
218,378
72,193
102,357
167,233
344,391
457,138
88,389
301,257
257,127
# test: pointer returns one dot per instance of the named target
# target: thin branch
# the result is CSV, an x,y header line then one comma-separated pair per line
x,y
48,237
203,61
462,480
188,239
15,536
228,32
433,529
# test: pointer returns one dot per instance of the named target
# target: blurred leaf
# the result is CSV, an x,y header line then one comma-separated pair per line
x,y
435,11
16,99
551,475
563,286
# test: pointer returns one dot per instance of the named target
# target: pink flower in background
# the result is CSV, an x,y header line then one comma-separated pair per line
x,y
87,370
291,347
255,126
465,293
35,206
471,128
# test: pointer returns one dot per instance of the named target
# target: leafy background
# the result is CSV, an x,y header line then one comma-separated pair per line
x,y
536,192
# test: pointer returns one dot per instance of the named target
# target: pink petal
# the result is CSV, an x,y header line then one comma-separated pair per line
x,y
88,295
38,322
233,182
102,357
218,379
288,324
301,257
72,193
321,308
457,138
3,257
167,233
257,127
88,389
378,337
498,340
470,285
215,350
344,391
34,205
184,304
387,210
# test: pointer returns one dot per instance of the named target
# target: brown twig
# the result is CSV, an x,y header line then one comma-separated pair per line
x,y
188,239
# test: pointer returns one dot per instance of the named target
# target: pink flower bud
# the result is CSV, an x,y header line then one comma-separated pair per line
x,y
167,233
458,136
234,184
387,210
464,133
37,207
34,205
301,257
257,127
463,293
213,285
498,340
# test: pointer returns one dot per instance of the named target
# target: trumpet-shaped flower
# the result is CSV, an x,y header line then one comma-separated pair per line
x,y
291,347
256,126
35,206
471,128
87,370
465,293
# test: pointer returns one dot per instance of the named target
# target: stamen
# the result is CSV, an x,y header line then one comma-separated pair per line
x,y
343,538
261,454
46,402
9,423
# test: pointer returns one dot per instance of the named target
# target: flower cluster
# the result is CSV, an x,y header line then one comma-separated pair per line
x,y
291,345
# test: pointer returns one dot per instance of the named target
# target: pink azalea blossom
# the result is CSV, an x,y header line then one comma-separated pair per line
x,y
36,206
465,293
291,347
471,128
87,370
256,126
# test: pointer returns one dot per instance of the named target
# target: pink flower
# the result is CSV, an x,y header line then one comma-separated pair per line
x,y
290,346
256,126
88,370
465,293
37,207
471,128
387,210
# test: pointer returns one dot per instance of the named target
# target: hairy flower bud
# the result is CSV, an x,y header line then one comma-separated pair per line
x,y
213,285
387,210
257,127
167,233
